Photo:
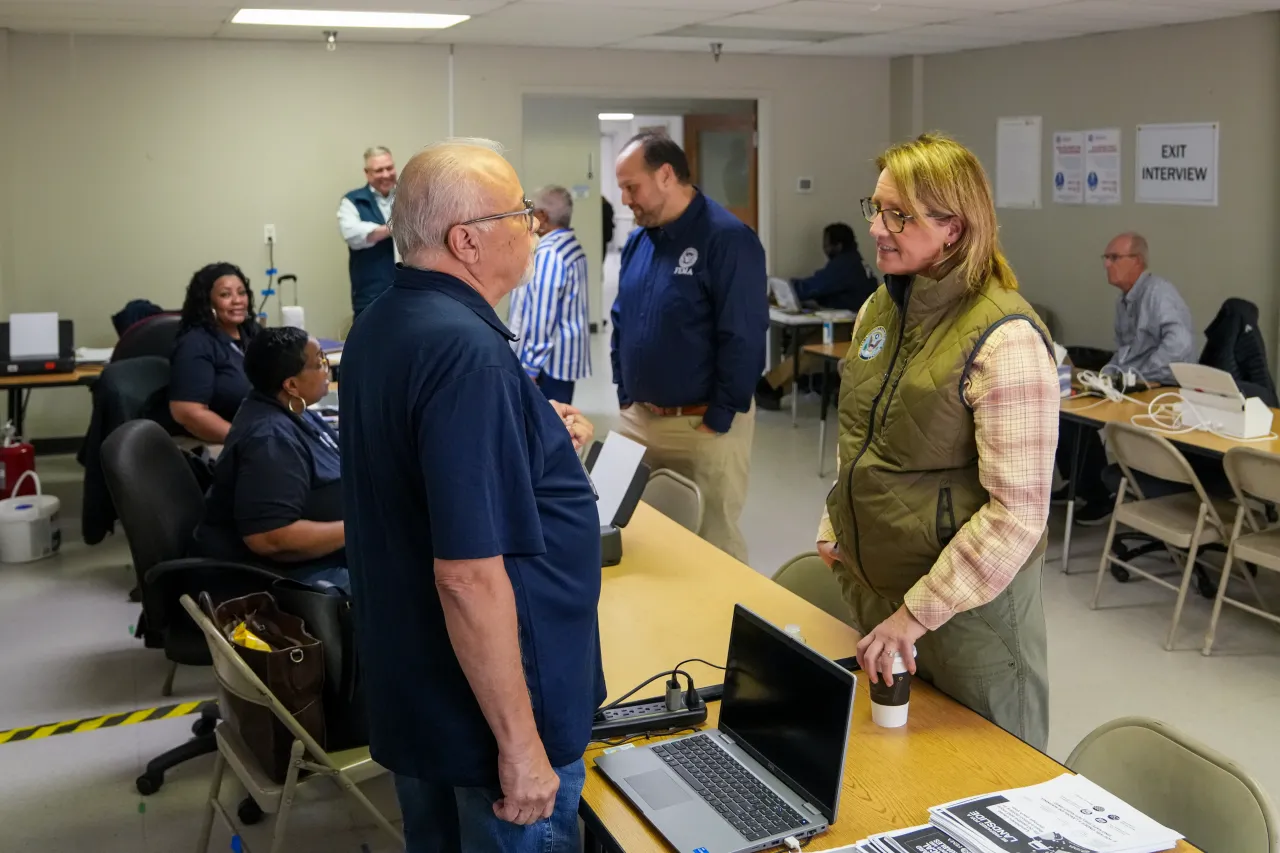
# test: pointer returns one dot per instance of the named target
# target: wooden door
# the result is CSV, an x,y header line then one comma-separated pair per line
x,y
722,159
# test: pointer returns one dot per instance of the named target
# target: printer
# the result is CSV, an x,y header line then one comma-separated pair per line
x,y
1212,401
32,344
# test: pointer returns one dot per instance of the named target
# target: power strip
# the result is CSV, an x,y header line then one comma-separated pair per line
x,y
647,715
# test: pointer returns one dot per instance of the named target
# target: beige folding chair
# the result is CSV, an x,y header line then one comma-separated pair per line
x,y
1184,522
675,496
810,578
345,768
1254,476
1181,783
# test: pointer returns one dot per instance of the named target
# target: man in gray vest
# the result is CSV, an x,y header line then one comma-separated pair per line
x,y
363,215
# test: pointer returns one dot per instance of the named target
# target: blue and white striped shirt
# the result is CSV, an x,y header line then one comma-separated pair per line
x,y
549,314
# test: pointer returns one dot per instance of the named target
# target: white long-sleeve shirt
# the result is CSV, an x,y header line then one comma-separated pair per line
x,y
356,231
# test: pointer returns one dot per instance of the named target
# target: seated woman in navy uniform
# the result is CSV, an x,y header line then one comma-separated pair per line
x,y
276,499
207,381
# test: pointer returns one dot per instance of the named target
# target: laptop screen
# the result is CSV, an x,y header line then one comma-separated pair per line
x,y
789,707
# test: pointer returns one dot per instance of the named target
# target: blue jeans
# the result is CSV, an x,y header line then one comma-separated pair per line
x,y
337,576
440,818
555,389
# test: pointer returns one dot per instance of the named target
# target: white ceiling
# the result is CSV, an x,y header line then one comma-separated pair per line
x,y
805,27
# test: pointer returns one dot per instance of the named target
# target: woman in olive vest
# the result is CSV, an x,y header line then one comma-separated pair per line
x,y
948,425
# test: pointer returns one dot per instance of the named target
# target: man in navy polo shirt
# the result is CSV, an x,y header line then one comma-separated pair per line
x,y
472,533
689,330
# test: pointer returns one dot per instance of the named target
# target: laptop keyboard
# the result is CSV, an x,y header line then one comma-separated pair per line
x,y
731,789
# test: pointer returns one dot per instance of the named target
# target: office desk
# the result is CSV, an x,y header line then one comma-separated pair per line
x,y
778,317
1098,412
831,355
672,598
84,374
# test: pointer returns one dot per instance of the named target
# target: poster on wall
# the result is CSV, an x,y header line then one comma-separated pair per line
x,y
1177,164
1068,167
1018,162
1102,166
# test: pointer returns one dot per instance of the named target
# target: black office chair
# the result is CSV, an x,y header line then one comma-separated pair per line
x,y
154,335
160,503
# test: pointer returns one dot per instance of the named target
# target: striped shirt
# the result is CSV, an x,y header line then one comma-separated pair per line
x,y
1012,388
549,314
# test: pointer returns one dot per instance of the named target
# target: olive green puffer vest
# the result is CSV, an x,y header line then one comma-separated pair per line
x,y
909,459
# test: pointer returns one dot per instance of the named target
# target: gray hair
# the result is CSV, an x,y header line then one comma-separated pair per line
x,y
1137,245
557,203
437,190
376,151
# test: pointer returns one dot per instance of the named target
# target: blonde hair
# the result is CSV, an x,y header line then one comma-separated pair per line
x,y
938,177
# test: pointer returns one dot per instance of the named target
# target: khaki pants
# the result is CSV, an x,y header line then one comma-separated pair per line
x,y
719,464
993,659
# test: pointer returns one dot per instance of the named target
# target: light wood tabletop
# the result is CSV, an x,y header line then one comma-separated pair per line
x,y
83,374
835,351
672,598
1100,411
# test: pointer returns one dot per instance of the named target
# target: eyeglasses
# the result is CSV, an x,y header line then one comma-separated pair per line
x,y
322,365
526,212
1112,257
894,220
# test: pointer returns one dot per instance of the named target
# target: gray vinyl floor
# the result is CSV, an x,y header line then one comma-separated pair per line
x,y
66,652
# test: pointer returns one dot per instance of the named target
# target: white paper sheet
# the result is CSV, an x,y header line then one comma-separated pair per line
x,y
612,474
33,336
1102,166
1068,167
1018,162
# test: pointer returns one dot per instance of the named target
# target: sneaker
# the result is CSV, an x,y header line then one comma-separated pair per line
x,y
1060,497
1094,514
768,397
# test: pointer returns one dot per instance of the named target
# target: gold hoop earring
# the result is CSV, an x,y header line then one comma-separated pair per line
x,y
302,404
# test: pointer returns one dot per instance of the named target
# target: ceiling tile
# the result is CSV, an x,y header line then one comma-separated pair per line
x,y
171,28
52,11
960,7
723,7
836,18
699,45
544,24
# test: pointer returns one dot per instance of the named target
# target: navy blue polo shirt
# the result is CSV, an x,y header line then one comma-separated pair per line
x,y
692,313
451,452
275,468
208,367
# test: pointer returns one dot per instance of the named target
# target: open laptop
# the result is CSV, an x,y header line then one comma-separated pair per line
x,y
772,769
784,294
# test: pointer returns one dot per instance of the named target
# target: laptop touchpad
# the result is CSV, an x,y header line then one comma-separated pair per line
x,y
657,789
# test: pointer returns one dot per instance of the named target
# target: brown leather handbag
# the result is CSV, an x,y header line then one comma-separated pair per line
x,y
293,671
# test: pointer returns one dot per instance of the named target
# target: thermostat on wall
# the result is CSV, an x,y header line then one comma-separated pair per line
x,y
804,185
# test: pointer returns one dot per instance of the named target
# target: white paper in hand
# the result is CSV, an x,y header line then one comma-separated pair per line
x,y
612,474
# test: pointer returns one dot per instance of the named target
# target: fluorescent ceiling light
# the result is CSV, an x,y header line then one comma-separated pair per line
x,y
616,116
318,18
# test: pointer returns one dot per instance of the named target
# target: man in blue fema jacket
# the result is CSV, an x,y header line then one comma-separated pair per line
x,y
362,218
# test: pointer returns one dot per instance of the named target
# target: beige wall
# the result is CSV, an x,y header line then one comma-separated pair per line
x,y
145,158
6,128
1224,71
561,137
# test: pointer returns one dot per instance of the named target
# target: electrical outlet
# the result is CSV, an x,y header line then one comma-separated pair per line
x,y
268,233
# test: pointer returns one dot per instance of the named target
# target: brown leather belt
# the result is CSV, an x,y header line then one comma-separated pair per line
x,y
675,411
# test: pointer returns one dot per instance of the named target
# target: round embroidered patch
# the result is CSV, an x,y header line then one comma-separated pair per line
x,y
872,344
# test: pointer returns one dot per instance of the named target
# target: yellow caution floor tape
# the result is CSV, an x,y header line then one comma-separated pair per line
x,y
126,718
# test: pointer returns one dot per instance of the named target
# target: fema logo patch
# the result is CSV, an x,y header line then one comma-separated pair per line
x,y
872,344
688,258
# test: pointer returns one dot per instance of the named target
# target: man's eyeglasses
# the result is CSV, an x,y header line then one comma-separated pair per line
x,y
894,220
1112,257
526,212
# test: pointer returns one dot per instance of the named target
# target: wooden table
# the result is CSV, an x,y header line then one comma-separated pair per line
x,y
1098,412
831,355
785,319
84,374
672,598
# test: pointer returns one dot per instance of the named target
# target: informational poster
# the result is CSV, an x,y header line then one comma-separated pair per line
x,y
1102,166
1177,164
1018,162
1068,167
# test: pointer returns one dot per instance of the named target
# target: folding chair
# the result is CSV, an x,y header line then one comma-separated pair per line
x,y
1185,522
345,768
810,578
1181,783
1254,476
675,496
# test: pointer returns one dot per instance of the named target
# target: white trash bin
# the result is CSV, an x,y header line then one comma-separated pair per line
x,y
29,528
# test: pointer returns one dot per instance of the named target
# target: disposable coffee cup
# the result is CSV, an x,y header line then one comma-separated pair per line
x,y
889,702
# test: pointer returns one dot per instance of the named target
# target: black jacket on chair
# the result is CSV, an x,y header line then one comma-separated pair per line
x,y
1234,343
126,391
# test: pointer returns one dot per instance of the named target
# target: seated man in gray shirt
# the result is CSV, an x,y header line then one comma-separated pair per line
x,y
1153,331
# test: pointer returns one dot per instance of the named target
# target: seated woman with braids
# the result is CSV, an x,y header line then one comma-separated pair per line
x,y
276,499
